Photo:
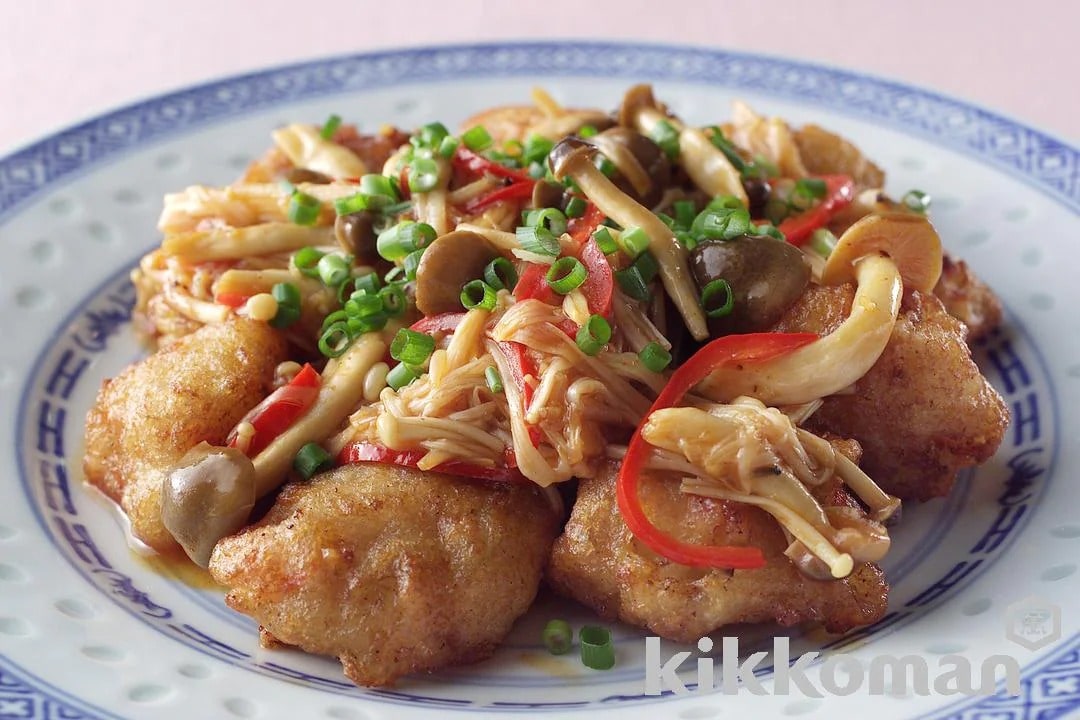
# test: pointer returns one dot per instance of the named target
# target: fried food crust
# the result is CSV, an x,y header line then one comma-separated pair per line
x,y
147,417
967,298
391,569
826,153
598,562
924,410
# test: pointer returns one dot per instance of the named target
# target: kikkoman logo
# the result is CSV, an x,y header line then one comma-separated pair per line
x,y
1031,623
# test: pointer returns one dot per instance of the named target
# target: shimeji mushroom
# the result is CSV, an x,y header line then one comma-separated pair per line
x,y
877,251
446,265
706,165
210,493
573,158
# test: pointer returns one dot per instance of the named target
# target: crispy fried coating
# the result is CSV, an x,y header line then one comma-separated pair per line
x,y
598,562
146,418
824,153
967,298
391,569
924,410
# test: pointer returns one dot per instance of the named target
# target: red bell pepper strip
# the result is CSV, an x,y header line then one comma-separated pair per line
x,y
839,192
279,410
231,299
600,284
369,452
532,285
742,349
443,323
466,159
521,366
514,191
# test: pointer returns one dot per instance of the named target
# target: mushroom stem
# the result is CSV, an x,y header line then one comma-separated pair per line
x,y
342,390
576,162
834,362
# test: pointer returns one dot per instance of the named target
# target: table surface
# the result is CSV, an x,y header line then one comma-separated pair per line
x,y
65,60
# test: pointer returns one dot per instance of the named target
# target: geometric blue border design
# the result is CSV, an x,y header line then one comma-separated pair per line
x,y
1041,160
1050,688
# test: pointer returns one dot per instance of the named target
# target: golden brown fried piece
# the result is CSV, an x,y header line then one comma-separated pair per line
x,y
924,410
518,122
392,570
598,562
825,153
967,298
147,417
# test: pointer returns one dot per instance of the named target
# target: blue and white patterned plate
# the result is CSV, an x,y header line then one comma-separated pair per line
x,y
88,629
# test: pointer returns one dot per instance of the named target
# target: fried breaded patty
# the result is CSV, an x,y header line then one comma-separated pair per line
x,y
146,418
924,410
392,570
967,298
598,562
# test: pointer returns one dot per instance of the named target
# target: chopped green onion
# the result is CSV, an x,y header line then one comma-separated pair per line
x,y
401,375
399,240
558,637
565,274
392,211
776,210
667,220
306,261
395,275
655,357
593,335
310,460
411,347
551,218
448,146
500,274
632,283
288,308
723,224
634,241
478,294
379,189
605,166
513,147
538,240
647,265
717,287
666,136
360,304
430,135
917,201
806,191
493,380
350,204
725,202
823,242
336,316
476,138
303,208
771,231
393,300
330,127
597,651
761,167
536,149
411,262
575,207
605,241
358,325
686,239
725,146
368,283
335,340
423,175
537,170
333,270
587,131
684,214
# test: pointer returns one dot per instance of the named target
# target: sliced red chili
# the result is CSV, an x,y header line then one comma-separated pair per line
x,y
746,349
283,407
369,452
515,191
839,192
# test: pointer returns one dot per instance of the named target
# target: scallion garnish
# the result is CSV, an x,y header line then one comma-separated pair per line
x,y
350,204
536,149
288,309
721,223
684,214
771,231
430,135
565,274
411,347
655,357
575,207
310,460
714,307
303,208
306,261
369,283
916,200
500,274
605,241
593,335
605,166
537,240
823,242
587,131
725,146
401,375
333,270
361,304
410,263
448,146
476,138
423,175
330,127
335,339
631,283
634,241
478,294
551,218
393,300
597,651
666,136
399,240
558,637
493,380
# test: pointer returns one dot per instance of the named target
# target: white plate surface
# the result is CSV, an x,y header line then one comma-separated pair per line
x,y
87,629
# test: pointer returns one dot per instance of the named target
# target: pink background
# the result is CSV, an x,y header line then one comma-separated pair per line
x,y
64,60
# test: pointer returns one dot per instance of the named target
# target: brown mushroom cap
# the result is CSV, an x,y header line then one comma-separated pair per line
x,y
642,168
906,238
637,97
446,265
